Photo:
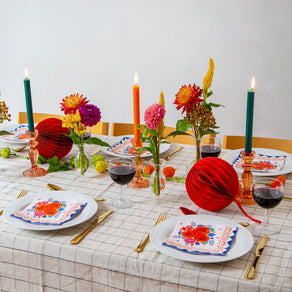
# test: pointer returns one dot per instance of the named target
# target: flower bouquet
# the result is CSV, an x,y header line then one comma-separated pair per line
x,y
79,115
153,133
198,111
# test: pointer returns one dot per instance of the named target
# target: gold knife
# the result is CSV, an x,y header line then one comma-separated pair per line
x,y
57,188
78,238
258,251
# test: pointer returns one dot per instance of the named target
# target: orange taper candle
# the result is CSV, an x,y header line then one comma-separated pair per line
x,y
136,111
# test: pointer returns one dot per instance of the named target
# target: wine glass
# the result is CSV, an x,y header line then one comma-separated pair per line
x,y
211,147
122,171
268,193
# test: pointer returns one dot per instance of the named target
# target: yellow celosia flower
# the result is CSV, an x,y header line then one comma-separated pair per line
x,y
207,82
160,127
161,99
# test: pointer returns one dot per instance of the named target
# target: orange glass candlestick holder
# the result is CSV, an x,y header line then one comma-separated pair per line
x,y
33,155
138,181
246,197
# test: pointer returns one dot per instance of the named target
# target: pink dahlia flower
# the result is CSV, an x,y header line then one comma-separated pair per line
x,y
154,114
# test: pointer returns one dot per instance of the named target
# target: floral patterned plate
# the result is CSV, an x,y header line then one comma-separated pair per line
x,y
232,156
242,243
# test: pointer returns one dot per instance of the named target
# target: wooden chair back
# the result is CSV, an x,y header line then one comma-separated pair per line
x,y
237,142
100,129
120,129
37,117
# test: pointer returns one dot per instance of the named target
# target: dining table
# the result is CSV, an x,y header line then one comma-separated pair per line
x,y
105,260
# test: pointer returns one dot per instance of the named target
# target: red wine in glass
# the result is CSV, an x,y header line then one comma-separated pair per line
x,y
122,174
267,197
210,151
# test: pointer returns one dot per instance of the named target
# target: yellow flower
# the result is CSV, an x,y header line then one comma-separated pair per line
x,y
161,99
74,121
160,126
207,82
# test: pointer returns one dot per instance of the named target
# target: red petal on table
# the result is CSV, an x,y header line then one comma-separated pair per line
x,y
51,138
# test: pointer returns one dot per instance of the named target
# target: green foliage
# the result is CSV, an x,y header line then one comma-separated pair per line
x,y
96,141
183,125
41,159
56,165
5,133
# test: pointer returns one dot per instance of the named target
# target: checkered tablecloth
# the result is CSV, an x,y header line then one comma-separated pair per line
x,y
106,261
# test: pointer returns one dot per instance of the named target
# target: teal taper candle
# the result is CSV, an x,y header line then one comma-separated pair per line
x,y
28,103
249,119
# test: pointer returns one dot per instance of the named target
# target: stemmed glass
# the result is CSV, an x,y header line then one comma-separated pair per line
x,y
211,147
122,171
268,193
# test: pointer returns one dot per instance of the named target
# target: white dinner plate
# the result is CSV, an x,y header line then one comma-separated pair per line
x,y
87,212
163,148
16,139
231,155
242,243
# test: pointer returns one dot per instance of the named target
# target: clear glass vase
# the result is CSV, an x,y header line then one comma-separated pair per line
x,y
81,160
197,157
198,149
157,178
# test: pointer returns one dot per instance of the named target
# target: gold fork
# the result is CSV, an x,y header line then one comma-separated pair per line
x,y
160,218
21,194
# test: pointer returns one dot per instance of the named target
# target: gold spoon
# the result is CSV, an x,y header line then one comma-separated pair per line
x,y
176,150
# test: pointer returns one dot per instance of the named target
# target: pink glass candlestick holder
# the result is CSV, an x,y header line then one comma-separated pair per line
x,y
33,155
138,181
246,197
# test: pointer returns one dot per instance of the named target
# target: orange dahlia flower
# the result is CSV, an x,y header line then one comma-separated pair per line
x,y
72,103
187,97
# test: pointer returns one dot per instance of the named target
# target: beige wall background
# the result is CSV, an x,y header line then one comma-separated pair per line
x,y
94,47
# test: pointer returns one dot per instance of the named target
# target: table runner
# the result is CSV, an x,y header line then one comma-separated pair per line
x,y
105,260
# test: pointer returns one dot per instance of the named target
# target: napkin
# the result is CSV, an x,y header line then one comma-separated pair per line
x,y
44,210
263,162
125,147
191,236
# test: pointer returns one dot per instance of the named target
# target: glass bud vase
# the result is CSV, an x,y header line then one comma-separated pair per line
x,y
157,178
81,160
198,149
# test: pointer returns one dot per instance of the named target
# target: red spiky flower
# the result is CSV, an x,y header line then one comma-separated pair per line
x,y
72,103
187,97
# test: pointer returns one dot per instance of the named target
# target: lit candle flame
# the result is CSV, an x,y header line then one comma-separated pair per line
x,y
252,83
26,73
136,78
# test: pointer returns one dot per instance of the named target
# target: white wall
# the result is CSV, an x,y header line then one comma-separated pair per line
x,y
94,47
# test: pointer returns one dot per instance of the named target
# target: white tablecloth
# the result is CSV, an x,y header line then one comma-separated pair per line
x,y
105,260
